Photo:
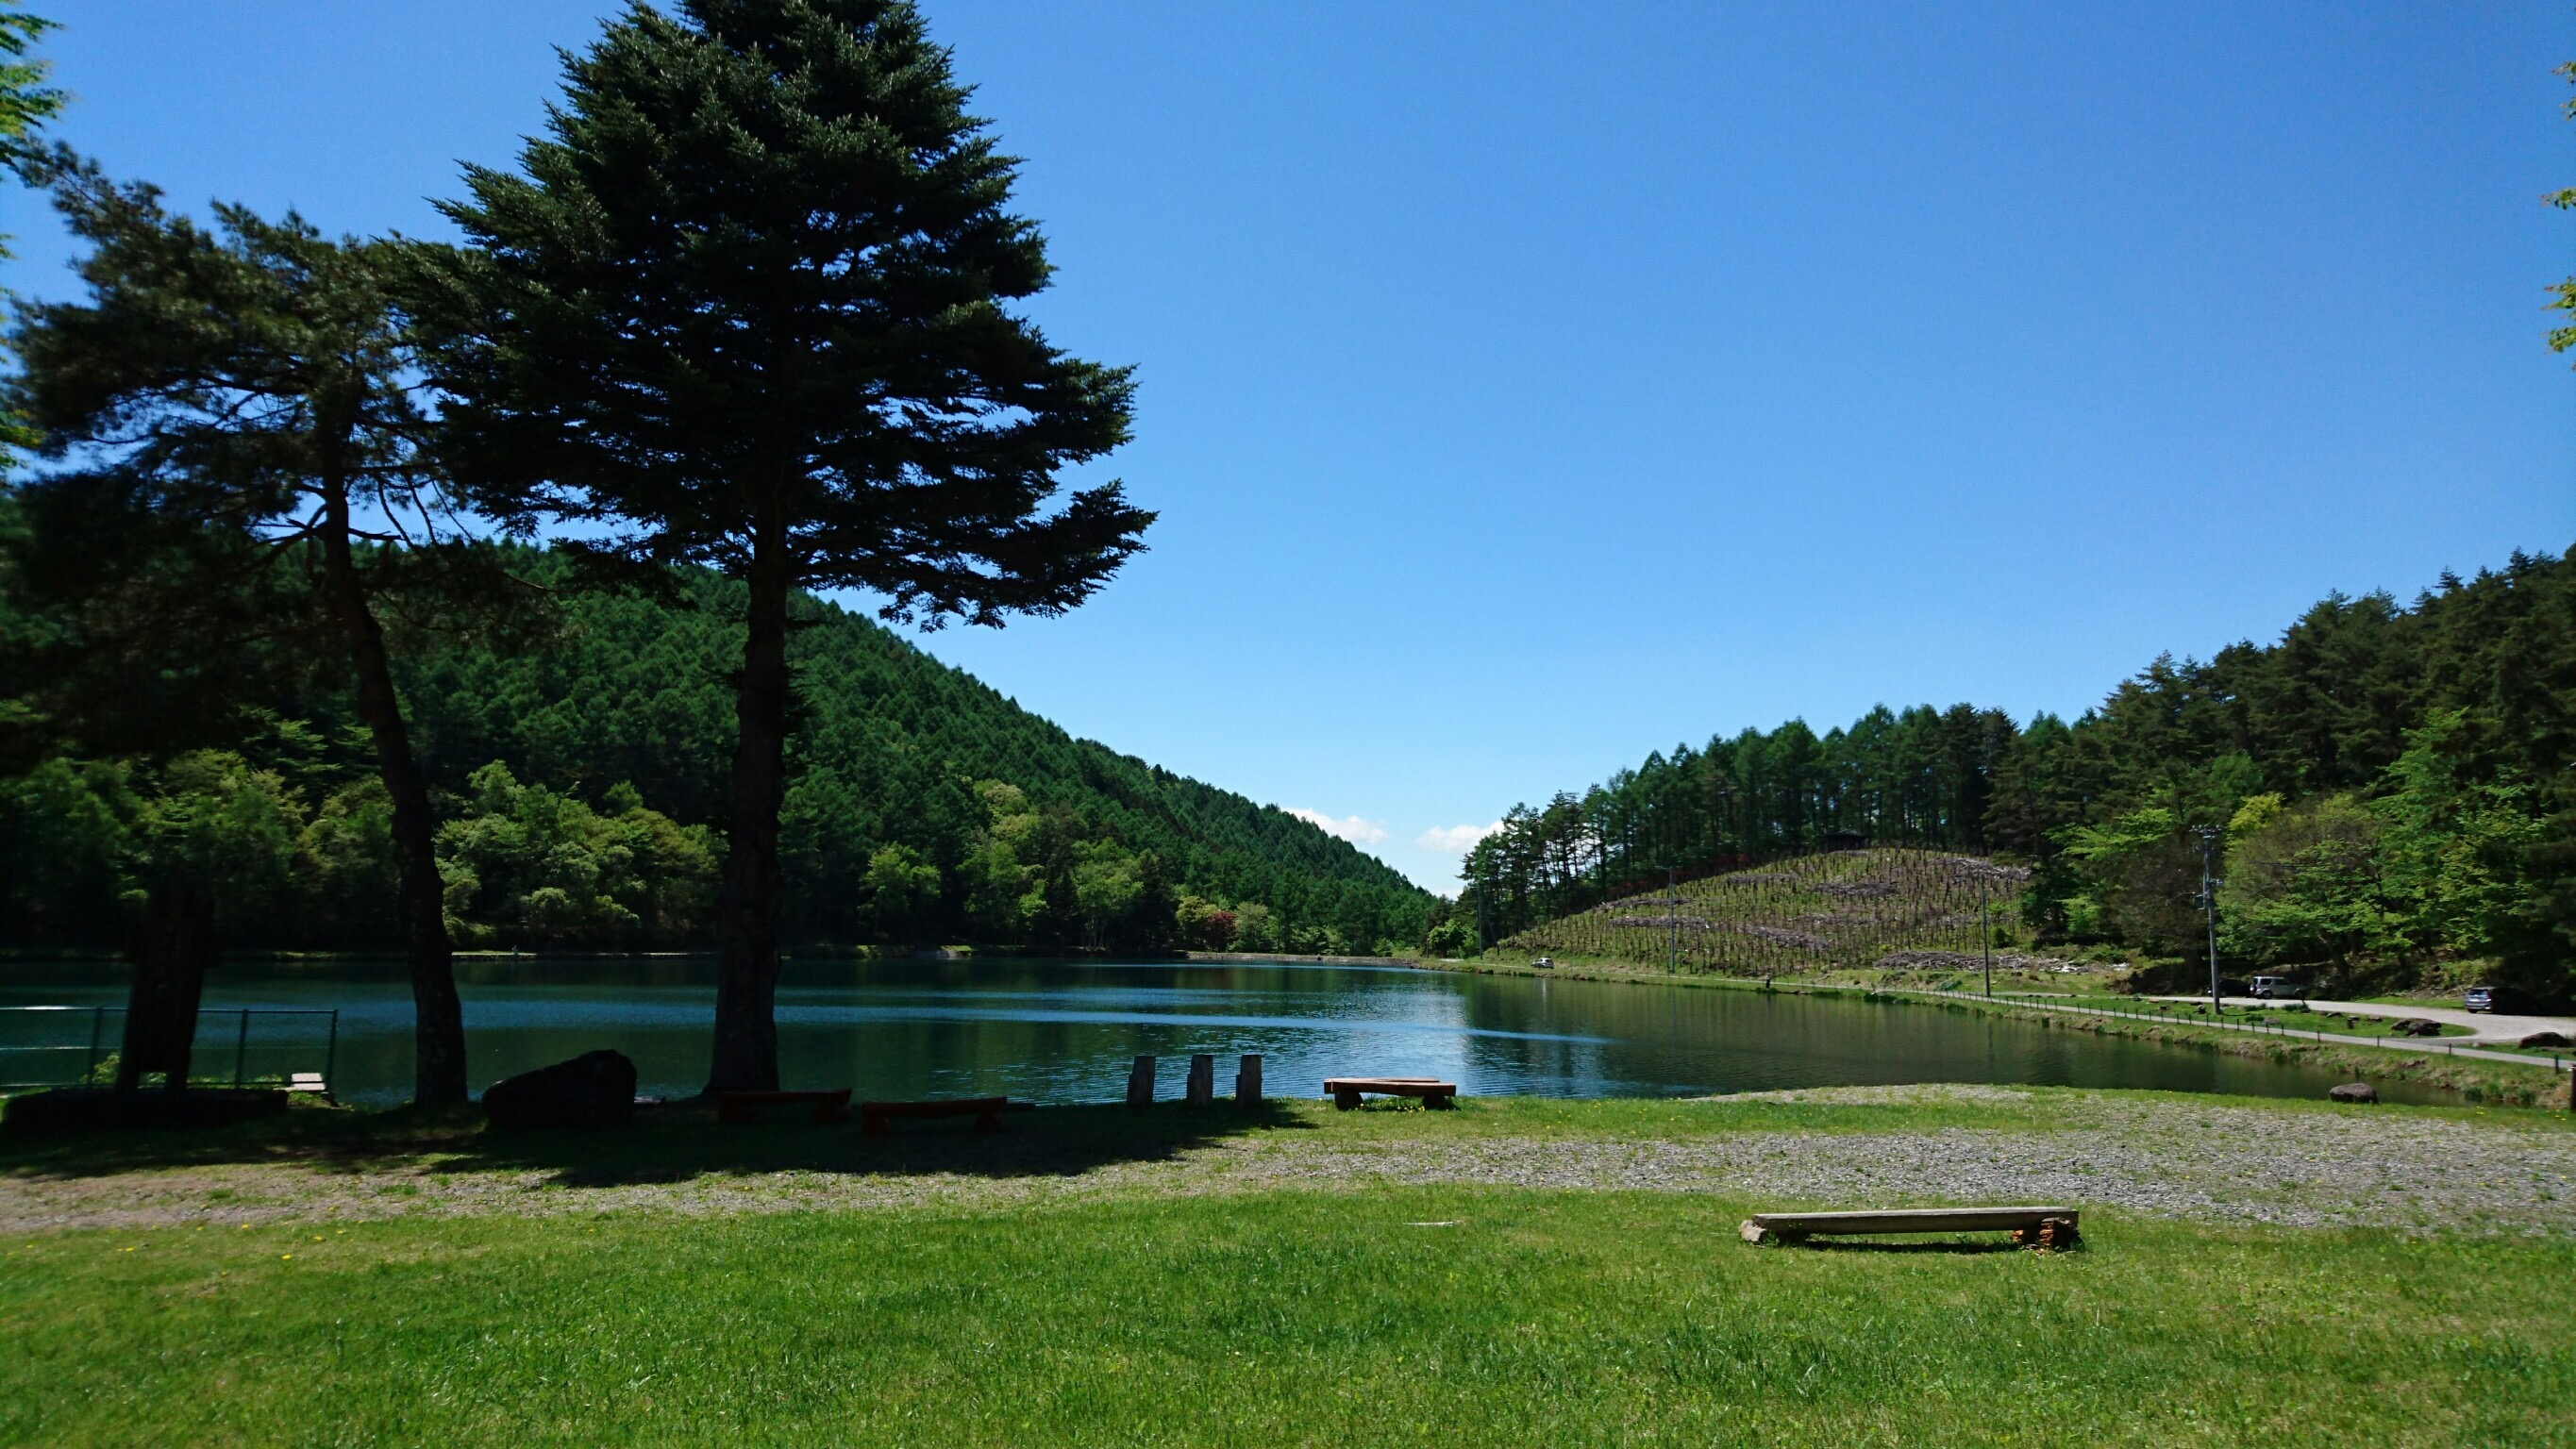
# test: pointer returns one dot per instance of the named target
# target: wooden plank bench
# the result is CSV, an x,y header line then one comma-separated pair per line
x,y
987,1112
1345,1091
2039,1227
831,1106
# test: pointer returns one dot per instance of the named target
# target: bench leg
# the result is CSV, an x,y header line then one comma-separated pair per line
x,y
1345,1101
2053,1235
988,1121
871,1125
1439,1103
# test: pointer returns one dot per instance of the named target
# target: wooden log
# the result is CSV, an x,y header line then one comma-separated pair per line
x,y
1140,1083
1909,1220
987,1112
1435,1093
1199,1089
1247,1080
829,1106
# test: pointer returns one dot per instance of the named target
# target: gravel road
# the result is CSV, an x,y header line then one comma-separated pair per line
x,y
2170,1157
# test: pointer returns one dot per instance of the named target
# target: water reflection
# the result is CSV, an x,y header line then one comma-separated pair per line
x,y
1059,1031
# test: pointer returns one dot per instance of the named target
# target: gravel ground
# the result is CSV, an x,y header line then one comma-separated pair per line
x,y
2171,1158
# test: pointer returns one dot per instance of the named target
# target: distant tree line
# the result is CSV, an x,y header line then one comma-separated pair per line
x,y
2387,786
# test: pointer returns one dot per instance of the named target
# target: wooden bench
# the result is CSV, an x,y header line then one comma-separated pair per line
x,y
1345,1091
987,1112
2037,1227
831,1106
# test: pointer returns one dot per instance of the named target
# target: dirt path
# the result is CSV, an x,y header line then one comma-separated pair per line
x,y
2170,1157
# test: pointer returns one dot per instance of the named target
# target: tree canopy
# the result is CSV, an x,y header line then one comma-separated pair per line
x,y
746,307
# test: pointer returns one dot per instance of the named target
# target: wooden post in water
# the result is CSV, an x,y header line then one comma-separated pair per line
x,y
1140,1083
1247,1081
1200,1089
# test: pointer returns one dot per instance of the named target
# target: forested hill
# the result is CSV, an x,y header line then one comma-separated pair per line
x,y
2389,784
925,808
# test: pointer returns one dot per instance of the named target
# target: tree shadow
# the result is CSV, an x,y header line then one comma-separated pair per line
x,y
676,1143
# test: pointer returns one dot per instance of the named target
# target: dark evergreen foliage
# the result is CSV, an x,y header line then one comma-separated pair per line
x,y
2396,779
746,308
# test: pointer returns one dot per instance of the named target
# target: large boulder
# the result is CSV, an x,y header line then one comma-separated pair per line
x,y
595,1089
2545,1039
2354,1092
2414,1026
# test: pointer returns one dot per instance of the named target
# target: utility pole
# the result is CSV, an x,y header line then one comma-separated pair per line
x,y
2209,902
1484,936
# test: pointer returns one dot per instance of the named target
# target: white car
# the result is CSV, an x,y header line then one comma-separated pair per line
x,y
2274,988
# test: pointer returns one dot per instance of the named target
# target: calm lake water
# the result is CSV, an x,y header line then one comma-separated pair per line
x,y
1066,1031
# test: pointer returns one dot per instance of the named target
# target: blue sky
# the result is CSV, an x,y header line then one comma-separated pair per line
x,y
1528,387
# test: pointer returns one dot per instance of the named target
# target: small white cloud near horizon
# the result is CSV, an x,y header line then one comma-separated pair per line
x,y
1454,839
1355,829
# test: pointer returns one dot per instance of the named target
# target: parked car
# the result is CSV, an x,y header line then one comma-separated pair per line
x,y
2275,988
2479,998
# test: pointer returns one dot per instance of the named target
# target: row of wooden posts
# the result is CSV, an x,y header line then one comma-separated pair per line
x,y
1200,1088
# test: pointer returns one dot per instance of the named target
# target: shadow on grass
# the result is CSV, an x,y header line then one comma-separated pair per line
x,y
676,1143
1951,1246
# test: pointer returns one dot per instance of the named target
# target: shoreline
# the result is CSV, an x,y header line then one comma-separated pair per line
x,y
2480,1076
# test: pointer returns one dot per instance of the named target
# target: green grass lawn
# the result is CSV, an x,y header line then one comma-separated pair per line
x,y
1178,1314
1430,1316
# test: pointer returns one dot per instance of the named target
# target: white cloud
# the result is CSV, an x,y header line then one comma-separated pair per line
x,y
1455,839
1353,828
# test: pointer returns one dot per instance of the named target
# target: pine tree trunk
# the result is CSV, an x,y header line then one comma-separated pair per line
x,y
172,954
438,1020
747,911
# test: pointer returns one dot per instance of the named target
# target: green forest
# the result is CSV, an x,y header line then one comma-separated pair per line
x,y
581,786
2386,791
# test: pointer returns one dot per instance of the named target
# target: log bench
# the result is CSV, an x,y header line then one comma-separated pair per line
x,y
987,1112
2035,1227
829,1107
1346,1091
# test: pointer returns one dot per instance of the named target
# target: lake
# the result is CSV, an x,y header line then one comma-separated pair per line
x,y
1067,1031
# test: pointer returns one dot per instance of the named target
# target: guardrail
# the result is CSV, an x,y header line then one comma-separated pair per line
x,y
88,1036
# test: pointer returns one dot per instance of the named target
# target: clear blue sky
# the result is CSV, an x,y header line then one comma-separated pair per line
x,y
1527,387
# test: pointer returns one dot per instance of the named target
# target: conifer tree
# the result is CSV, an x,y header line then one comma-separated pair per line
x,y
746,307
227,406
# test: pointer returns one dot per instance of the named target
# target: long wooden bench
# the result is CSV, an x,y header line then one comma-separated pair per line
x,y
829,1107
1346,1091
987,1112
2039,1227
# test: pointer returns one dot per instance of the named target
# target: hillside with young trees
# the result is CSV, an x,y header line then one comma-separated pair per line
x,y
2389,786
581,786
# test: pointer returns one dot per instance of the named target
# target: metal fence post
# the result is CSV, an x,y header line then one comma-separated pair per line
x,y
97,1020
241,1049
331,1060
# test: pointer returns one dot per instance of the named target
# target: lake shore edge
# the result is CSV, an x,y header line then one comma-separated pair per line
x,y
2478,1080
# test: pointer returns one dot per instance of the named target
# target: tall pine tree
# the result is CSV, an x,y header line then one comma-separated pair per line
x,y
745,307
253,384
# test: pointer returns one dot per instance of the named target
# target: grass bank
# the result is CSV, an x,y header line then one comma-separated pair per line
x,y
2501,1083
1156,1283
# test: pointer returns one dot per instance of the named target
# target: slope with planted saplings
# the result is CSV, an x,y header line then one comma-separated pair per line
x,y
1899,913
